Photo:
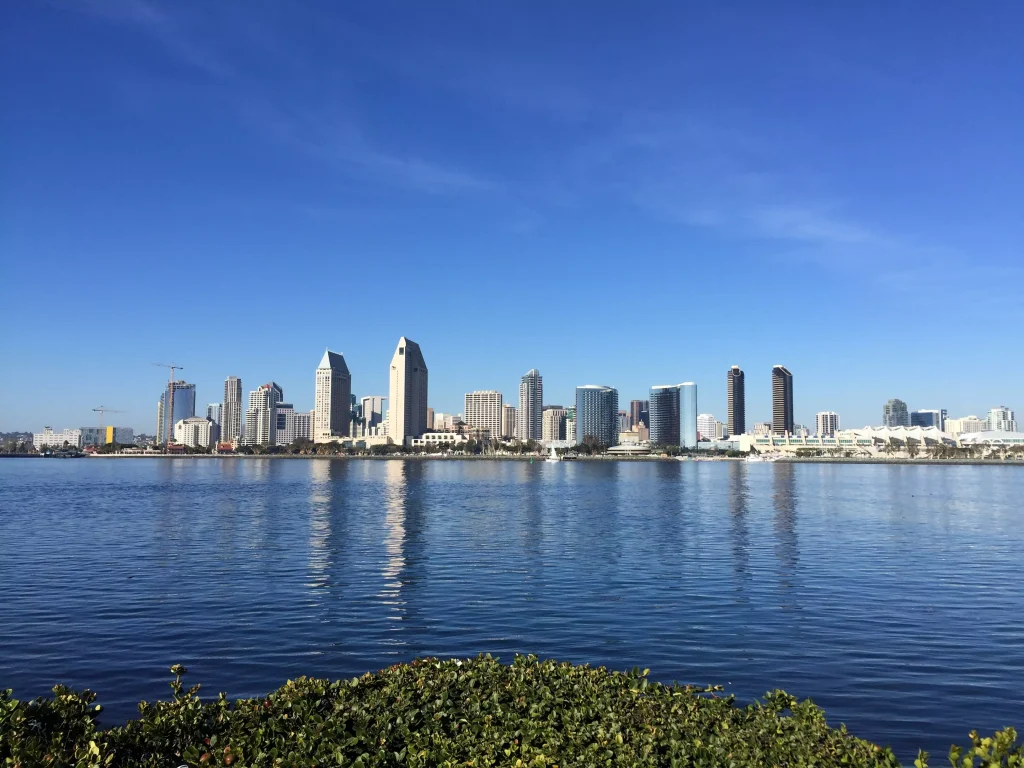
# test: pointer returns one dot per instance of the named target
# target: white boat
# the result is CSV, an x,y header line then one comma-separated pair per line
x,y
758,457
553,456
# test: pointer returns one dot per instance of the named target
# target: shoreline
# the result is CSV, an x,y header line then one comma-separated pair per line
x,y
542,459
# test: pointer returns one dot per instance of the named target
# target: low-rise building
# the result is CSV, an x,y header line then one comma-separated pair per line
x,y
196,432
50,439
965,425
553,424
438,440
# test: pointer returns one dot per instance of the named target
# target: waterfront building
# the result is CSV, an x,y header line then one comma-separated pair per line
x,y
799,430
782,400
707,427
870,441
292,425
407,397
597,409
895,414
993,439
508,421
639,413
430,419
50,439
231,413
196,432
826,424
531,405
261,416
737,401
965,425
929,418
762,428
213,412
184,398
664,414
1001,419
688,414
332,399
553,427
483,410
373,408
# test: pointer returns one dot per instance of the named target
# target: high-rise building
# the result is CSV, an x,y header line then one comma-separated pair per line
x,y
292,425
261,416
373,412
553,427
782,400
639,413
184,408
570,429
929,418
597,410
531,405
707,427
895,414
332,400
213,412
430,419
737,401
688,414
826,424
407,398
663,414
1001,419
231,413
483,410
508,421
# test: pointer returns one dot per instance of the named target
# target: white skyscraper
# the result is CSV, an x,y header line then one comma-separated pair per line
x,y
483,410
1001,419
231,413
407,398
508,421
261,416
826,424
529,424
707,427
332,401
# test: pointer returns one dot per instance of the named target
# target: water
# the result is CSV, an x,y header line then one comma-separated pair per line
x,y
891,595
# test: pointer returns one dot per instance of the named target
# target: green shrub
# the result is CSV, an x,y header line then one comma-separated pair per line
x,y
454,713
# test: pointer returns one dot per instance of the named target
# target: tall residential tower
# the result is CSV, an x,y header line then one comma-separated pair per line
x,y
332,401
597,414
231,413
737,402
782,400
529,425
407,397
663,414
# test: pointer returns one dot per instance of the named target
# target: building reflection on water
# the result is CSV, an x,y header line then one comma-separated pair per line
x,y
784,502
738,531
403,524
326,478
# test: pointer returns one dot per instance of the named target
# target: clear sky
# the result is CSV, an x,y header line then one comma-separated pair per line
x,y
615,193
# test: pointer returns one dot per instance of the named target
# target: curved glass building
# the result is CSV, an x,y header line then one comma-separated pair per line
x,y
597,414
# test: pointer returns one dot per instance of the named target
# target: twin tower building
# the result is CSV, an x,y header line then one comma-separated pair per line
x,y
407,396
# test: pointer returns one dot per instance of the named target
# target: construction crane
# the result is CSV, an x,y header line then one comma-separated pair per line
x,y
169,415
103,409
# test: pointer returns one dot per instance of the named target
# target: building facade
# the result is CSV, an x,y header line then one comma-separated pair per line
x,y
183,396
707,427
1001,419
688,414
529,425
826,424
782,400
231,413
373,408
196,432
407,397
597,414
508,421
483,409
929,418
736,396
50,439
553,427
570,430
965,425
332,399
261,416
639,413
214,411
292,425
664,414
895,414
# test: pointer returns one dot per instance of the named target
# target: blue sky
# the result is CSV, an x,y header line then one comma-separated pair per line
x,y
624,194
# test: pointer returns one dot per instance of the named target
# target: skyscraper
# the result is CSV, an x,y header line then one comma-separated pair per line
x,y
826,424
261,416
332,400
529,424
483,410
707,427
554,424
929,418
231,414
1001,419
213,412
737,401
663,414
508,421
184,408
895,414
597,414
373,412
639,413
782,400
688,414
407,398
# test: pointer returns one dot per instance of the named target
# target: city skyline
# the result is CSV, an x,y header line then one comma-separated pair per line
x,y
800,164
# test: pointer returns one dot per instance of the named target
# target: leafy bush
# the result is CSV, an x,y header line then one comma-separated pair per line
x,y
446,713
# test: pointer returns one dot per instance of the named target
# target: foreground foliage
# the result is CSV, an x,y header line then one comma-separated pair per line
x,y
446,713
